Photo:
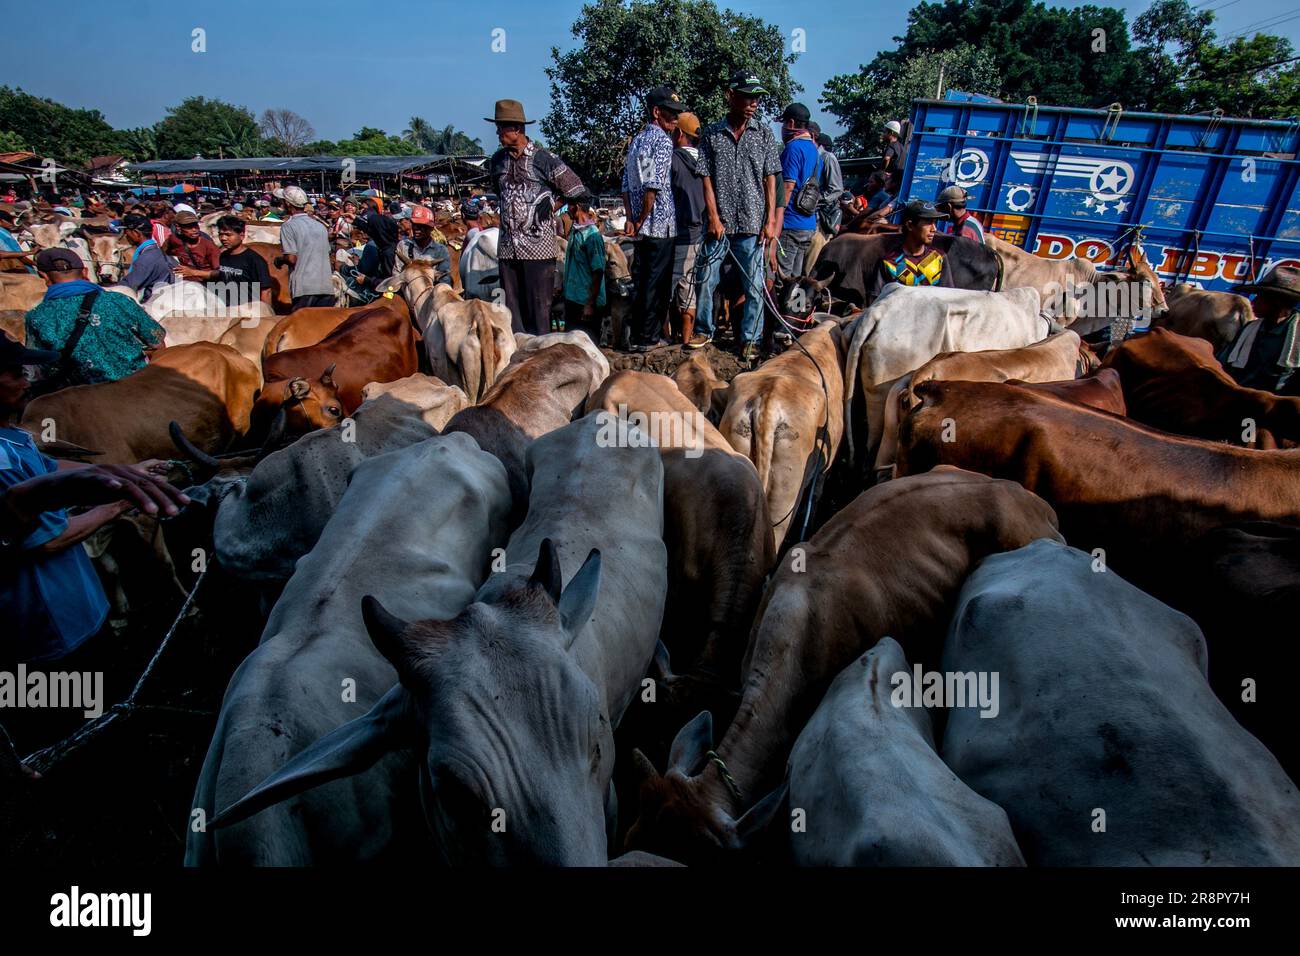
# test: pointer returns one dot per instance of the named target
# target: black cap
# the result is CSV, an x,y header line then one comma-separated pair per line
x,y
138,223
797,112
921,209
666,98
15,353
746,81
58,260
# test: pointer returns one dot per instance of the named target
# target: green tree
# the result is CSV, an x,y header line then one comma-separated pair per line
x,y
11,142
140,144
208,128
1189,71
865,105
52,129
626,47
369,141
419,133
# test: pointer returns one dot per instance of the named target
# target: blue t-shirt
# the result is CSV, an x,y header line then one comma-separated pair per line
x,y
799,160
50,604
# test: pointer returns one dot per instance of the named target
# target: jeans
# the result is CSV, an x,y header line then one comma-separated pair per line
x,y
750,254
791,250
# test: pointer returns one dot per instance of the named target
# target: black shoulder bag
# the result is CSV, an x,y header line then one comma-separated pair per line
x,y
67,372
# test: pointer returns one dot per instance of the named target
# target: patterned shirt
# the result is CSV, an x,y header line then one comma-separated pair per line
x,y
112,346
649,166
739,169
524,184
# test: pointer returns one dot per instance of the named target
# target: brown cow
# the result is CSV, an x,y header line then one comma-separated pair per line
x,y
536,395
318,385
1140,495
13,322
1100,390
281,302
309,326
1055,358
696,380
787,417
1174,383
718,534
1216,317
206,388
891,563
21,291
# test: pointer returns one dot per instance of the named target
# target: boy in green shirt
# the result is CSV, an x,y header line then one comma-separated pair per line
x,y
584,271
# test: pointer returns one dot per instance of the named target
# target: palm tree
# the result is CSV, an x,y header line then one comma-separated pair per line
x,y
420,133
239,143
142,143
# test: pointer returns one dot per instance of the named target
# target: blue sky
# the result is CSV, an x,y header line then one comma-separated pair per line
x,y
343,65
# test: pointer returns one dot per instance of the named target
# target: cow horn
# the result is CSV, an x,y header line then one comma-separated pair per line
x,y
327,376
275,434
189,449
645,769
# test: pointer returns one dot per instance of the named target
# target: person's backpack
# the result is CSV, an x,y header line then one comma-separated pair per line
x,y
809,194
68,371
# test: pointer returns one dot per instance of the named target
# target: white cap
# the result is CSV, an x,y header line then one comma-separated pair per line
x,y
278,193
295,196
894,127
185,207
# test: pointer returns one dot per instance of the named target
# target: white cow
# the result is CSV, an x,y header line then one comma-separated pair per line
x,y
907,326
512,705
298,684
525,343
1108,748
873,788
264,526
479,271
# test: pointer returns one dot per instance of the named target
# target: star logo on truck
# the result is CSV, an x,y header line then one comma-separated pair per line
x,y
1108,179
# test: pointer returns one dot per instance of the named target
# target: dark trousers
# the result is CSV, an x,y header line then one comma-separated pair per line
x,y
529,287
652,271
324,300
574,322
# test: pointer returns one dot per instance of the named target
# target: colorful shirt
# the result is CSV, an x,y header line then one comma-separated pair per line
x,y
50,603
649,166
525,184
112,346
584,255
739,169
925,269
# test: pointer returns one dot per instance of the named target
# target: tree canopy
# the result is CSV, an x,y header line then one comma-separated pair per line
x,y
626,47
1171,61
52,129
208,128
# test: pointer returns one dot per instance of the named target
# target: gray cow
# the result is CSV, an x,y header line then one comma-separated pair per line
x,y
265,526
513,701
415,528
1109,748
873,789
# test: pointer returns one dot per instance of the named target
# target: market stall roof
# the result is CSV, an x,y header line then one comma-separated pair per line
x,y
364,165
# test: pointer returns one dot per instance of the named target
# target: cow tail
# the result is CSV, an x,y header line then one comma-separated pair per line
x,y
763,438
861,329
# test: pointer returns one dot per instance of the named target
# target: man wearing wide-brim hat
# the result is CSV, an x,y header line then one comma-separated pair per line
x,y
1266,352
527,178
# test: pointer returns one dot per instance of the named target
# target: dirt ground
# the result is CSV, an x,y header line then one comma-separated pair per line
x,y
665,360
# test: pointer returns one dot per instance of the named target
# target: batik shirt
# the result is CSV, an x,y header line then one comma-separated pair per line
x,y
524,185
650,166
739,171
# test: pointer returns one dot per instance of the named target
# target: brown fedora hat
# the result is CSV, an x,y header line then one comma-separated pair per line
x,y
509,111
1282,280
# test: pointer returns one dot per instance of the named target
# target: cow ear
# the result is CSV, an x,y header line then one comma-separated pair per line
x,y
388,634
350,749
546,574
755,821
578,602
692,745
299,389
661,665
327,376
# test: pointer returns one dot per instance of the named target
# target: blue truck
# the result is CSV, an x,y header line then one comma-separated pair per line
x,y
1212,200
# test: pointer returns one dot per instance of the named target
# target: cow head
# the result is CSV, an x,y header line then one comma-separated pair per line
x,y
293,407
688,812
516,755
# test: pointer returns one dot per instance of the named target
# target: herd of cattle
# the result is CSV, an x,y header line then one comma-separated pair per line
x,y
492,636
